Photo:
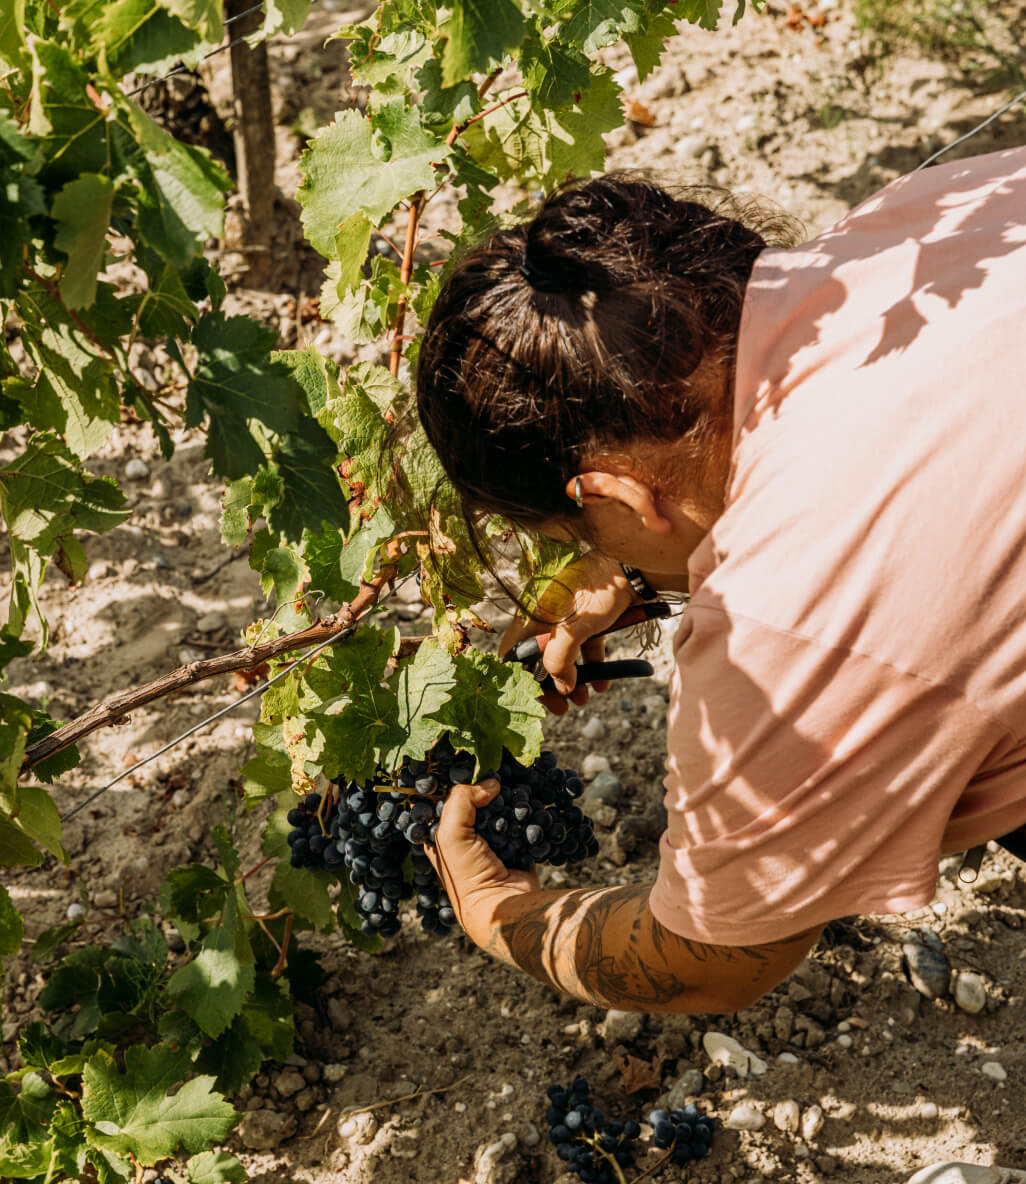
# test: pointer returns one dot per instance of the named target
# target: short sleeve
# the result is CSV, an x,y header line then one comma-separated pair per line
x,y
804,782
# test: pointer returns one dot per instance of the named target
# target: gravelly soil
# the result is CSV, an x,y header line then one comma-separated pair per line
x,y
799,111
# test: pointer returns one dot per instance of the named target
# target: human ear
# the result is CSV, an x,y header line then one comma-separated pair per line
x,y
637,496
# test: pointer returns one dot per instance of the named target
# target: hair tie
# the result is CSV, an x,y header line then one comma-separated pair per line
x,y
540,280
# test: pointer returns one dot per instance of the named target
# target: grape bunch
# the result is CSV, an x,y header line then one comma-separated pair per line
x,y
595,1148
374,833
686,1132
591,1146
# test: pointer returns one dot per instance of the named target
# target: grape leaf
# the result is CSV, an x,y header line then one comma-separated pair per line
x,y
553,71
268,773
204,16
213,986
352,737
235,381
180,202
131,1112
303,891
71,128
545,147
311,492
82,213
480,33
706,12
647,47
421,687
378,58
315,373
350,246
233,1058
494,705
25,1149
346,168
591,25
32,810
193,893
215,1167
43,498
138,34
12,929
284,16
444,105
15,848
15,722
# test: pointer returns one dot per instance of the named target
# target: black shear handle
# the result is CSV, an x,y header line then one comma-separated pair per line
x,y
605,671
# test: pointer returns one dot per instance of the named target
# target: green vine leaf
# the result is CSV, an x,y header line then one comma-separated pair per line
x,y
342,173
132,1113
212,988
12,928
82,213
215,1167
480,33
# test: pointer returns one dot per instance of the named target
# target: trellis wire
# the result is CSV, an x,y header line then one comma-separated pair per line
x,y
1020,98
311,653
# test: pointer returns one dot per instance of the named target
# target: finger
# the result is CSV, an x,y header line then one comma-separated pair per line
x,y
462,858
555,703
560,658
518,630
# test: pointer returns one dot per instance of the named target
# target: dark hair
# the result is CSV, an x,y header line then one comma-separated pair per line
x,y
585,327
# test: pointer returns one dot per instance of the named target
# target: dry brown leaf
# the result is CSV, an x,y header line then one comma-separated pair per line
x,y
246,678
638,113
636,1073
795,19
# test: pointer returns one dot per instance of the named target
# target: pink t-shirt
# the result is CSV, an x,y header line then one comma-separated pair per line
x,y
849,700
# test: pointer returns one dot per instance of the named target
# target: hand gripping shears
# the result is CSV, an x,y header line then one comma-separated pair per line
x,y
529,652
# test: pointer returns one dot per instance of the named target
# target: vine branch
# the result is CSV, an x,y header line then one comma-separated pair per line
x,y
115,708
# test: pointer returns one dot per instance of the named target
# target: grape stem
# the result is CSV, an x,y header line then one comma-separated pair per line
x,y
648,1172
253,870
594,1142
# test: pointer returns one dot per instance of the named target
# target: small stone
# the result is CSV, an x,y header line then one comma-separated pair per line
x,y
489,1157
99,570
691,147
339,1013
845,1041
255,1104
288,1082
970,992
745,123
593,728
786,1116
311,1072
604,816
358,1128
305,1099
593,764
689,1085
787,1058
725,1050
994,1070
76,911
180,799
745,1117
926,965
530,1136
929,1110
210,622
106,898
183,509
262,1130
137,470
621,1027
783,1023
605,789
333,1072
812,1122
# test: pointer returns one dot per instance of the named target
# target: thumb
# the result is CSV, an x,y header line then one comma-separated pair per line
x,y
460,811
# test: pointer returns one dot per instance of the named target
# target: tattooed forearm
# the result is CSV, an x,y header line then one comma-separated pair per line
x,y
605,947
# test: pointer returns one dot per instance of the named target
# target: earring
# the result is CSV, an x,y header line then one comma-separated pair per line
x,y
578,496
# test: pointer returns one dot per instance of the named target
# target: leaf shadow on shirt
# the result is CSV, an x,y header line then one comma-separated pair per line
x,y
942,226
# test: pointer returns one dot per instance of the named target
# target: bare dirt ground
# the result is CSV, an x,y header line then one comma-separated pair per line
x,y
867,1080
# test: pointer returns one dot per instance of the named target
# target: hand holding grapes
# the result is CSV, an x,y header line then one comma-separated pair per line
x,y
474,877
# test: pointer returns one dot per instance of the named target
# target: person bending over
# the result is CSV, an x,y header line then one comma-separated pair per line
x,y
823,445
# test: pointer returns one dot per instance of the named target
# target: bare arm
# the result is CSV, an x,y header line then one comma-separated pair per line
x,y
602,946
605,947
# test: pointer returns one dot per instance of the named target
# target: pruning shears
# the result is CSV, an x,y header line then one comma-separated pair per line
x,y
529,652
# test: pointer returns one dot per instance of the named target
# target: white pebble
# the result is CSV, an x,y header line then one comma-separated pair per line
x,y
970,992
994,1070
592,728
929,1110
787,1058
529,1136
507,1091
333,1072
76,911
460,1107
785,1116
725,1050
137,470
745,1117
210,622
180,799
844,1026
745,123
845,1041
812,1122
595,764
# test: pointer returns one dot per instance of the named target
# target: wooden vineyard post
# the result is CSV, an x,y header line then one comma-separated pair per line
x,y
254,142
